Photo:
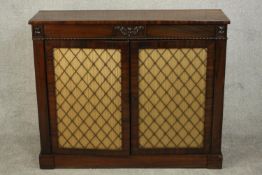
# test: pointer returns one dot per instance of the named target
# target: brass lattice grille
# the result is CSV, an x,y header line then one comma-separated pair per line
x,y
88,98
172,85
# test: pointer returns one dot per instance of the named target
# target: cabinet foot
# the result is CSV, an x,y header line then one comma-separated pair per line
x,y
46,161
214,161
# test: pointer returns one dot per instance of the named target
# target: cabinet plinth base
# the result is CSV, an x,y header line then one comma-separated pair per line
x,y
213,161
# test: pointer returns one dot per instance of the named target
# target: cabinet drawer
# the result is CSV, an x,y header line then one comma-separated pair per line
x,y
78,31
181,31
94,31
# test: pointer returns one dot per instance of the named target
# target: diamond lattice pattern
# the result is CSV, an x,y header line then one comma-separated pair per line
x,y
172,85
88,98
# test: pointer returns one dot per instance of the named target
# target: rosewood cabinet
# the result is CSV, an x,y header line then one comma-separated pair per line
x,y
130,88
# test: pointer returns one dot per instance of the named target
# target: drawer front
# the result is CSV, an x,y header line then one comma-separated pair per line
x,y
130,31
77,31
88,91
94,31
172,96
180,31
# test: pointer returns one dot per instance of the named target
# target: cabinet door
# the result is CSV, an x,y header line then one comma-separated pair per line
x,y
88,86
171,89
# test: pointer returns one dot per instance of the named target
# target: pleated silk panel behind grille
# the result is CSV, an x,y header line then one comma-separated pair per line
x,y
88,98
172,87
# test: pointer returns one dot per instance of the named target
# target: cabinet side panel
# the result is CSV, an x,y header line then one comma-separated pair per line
x,y
42,101
219,79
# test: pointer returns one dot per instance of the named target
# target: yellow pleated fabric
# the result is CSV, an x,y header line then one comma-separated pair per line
x,y
172,86
88,98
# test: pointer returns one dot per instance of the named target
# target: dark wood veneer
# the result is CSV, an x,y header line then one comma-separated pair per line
x,y
135,31
42,99
129,31
214,16
212,161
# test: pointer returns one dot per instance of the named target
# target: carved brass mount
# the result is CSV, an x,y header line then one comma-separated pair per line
x,y
129,31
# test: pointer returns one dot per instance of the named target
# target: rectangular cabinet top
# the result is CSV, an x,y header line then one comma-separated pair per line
x,y
131,16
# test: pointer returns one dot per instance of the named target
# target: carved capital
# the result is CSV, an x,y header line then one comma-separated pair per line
x,y
129,31
37,31
221,31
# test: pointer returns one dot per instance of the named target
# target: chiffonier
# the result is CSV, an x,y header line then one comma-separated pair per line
x,y
130,88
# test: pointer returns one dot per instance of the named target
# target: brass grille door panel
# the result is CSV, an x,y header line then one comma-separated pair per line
x,y
88,86
171,97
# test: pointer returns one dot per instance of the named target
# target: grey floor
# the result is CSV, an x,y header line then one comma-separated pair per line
x,y
19,148
19,153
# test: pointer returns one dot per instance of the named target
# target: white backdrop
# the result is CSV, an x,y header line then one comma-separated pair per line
x,y
242,131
